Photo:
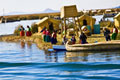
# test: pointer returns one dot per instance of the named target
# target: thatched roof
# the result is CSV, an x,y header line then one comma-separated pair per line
x,y
86,16
48,20
69,11
45,22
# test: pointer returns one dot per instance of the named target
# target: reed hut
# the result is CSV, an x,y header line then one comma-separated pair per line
x,y
86,20
45,22
117,20
66,13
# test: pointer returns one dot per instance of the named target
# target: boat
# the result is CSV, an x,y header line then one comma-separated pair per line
x,y
99,46
59,47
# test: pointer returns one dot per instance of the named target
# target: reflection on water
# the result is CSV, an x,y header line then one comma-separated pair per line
x,y
29,44
22,43
51,57
92,56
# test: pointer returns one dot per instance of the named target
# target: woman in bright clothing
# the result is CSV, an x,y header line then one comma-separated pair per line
x,y
22,33
28,33
114,34
48,36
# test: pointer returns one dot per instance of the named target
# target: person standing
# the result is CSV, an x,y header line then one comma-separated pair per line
x,y
22,33
54,38
107,34
114,33
28,33
83,38
48,36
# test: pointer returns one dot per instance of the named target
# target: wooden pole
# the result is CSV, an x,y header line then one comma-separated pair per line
x,y
75,27
65,32
62,29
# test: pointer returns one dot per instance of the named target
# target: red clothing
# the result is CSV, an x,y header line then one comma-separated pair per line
x,y
47,33
44,32
54,35
22,33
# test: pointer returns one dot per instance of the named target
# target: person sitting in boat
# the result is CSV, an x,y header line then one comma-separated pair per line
x,y
54,38
48,36
64,40
73,40
83,38
28,33
106,34
22,33
114,33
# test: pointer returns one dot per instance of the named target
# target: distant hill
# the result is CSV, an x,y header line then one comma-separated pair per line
x,y
117,7
48,10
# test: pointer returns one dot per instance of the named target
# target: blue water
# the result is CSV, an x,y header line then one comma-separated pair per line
x,y
24,61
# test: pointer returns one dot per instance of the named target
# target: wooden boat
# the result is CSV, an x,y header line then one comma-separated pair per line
x,y
101,46
59,47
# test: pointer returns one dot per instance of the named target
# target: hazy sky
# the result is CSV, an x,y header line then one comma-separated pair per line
x,y
40,5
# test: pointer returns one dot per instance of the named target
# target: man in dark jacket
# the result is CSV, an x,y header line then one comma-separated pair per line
x,y
107,34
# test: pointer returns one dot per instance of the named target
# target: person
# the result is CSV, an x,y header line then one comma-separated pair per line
x,y
64,40
54,38
73,40
83,38
114,33
106,34
22,31
28,33
44,35
48,36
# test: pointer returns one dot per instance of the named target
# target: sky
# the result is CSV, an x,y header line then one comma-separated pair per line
x,y
40,5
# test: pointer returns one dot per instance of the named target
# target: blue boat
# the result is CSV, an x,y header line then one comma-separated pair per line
x,y
59,47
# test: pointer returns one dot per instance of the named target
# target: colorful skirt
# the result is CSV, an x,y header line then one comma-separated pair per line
x,y
114,36
53,40
47,38
22,33
28,33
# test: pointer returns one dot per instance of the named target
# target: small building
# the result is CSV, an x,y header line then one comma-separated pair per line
x,y
45,22
117,20
86,20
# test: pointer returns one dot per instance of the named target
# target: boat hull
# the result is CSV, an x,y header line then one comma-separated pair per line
x,y
102,46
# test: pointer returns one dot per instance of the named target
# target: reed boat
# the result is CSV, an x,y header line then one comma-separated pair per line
x,y
101,46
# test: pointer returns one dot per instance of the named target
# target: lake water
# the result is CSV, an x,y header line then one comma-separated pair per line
x,y
24,61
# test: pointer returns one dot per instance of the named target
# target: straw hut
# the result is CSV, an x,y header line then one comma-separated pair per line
x,y
66,13
117,20
45,23
87,20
